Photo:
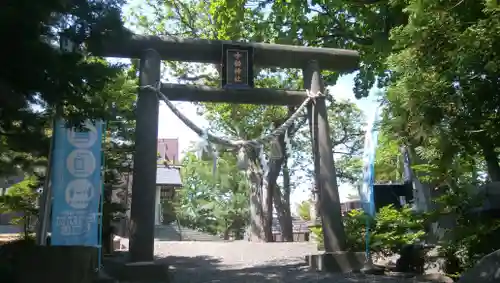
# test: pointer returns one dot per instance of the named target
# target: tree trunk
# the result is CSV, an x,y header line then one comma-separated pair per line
x,y
282,204
226,231
265,194
275,163
259,227
271,192
256,228
281,199
284,217
237,228
491,158
26,223
287,227
268,207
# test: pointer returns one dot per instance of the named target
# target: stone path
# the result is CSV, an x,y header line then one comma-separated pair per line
x,y
245,262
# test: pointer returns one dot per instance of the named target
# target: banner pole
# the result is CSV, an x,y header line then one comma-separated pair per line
x,y
101,209
46,197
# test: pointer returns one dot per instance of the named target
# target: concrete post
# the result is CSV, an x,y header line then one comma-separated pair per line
x,y
142,218
324,167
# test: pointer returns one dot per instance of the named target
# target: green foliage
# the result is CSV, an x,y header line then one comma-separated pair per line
x,y
388,159
441,97
118,144
346,123
303,210
355,229
394,228
441,102
330,24
472,236
214,202
355,222
390,230
354,225
22,198
40,78
317,235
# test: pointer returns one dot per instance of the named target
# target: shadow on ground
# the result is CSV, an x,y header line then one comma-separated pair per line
x,y
205,269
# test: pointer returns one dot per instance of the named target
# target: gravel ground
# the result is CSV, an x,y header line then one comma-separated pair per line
x,y
242,262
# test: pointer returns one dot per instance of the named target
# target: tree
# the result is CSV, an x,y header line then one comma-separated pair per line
x,y
118,144
442,103
213,201
340,24
388,160
443,86
22,198
48,78
41,80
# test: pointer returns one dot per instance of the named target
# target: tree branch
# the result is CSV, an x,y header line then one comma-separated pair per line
x,y
367,2
185,77
339,31
343,153
186,22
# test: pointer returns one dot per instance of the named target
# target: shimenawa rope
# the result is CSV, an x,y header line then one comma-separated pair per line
x,y
235,143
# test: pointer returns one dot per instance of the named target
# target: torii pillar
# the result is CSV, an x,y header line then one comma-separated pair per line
x,y
324,167
142,215
335,258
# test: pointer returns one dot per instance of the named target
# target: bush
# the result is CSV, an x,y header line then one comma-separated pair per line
x,y
391,229
473,235
355,223
317,235
395,228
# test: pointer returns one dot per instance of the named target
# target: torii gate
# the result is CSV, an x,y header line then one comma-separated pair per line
x,y
152,49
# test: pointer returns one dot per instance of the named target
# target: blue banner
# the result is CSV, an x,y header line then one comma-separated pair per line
x,y
76,185
370,148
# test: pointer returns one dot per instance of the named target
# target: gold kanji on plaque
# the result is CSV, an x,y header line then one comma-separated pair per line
x,y
237,65
237,68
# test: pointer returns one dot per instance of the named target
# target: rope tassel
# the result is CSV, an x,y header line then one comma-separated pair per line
x,y
263,162
288,144
242,159
215,157
203,145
